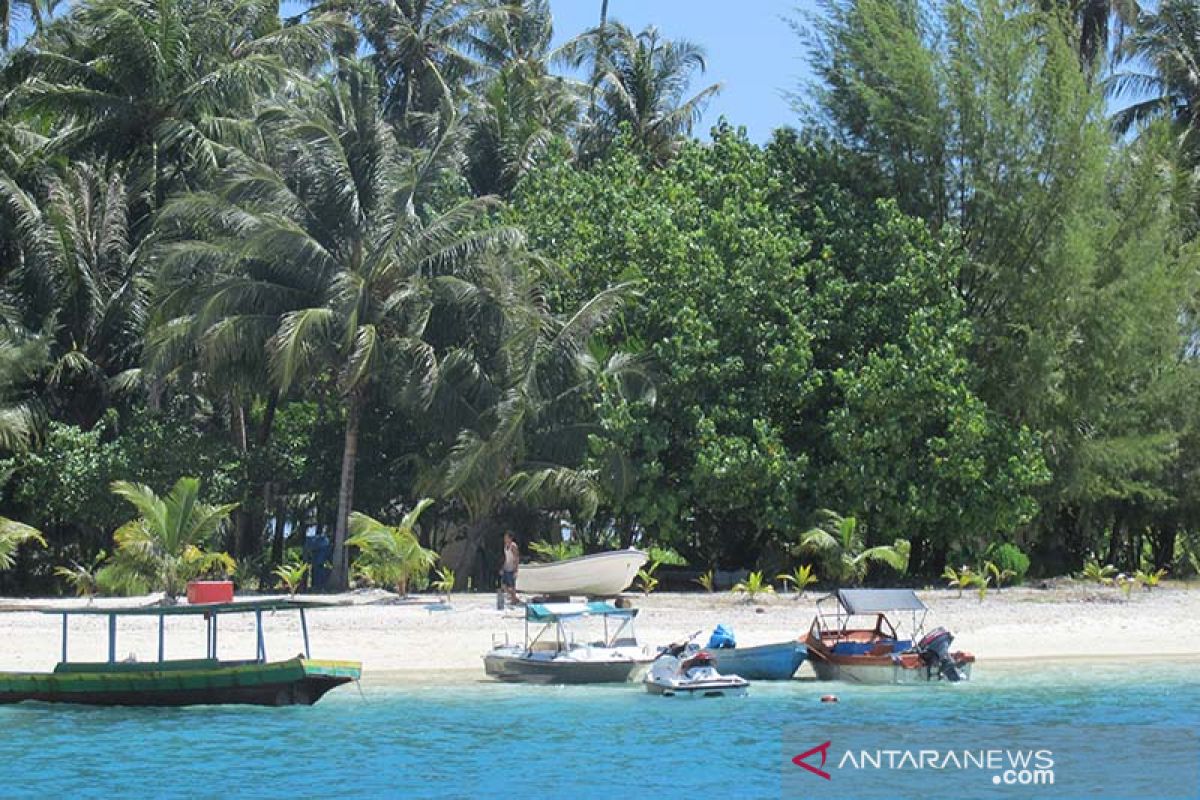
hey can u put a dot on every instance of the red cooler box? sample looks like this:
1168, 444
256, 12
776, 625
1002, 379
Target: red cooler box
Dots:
209, 592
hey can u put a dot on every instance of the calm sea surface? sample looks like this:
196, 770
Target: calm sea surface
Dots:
483, 739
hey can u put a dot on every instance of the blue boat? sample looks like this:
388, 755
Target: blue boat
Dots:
767, 662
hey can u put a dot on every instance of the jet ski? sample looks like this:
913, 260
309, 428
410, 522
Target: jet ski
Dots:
685, 672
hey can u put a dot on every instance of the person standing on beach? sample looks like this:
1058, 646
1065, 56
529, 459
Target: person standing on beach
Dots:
508, 570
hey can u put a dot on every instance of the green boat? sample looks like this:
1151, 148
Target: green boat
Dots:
300, 680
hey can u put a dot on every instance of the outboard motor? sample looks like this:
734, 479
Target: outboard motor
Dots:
935, 651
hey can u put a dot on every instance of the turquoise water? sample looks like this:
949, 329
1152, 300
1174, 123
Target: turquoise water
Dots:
479, 739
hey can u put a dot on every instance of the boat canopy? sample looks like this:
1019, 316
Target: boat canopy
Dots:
879, 601
258, 604
553, 612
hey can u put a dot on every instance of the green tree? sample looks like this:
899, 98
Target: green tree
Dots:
978, 120
77, 282
161, 85
13, 534
750, 429
391, 555
521, 113
167, 544
641, 81
1098, 25
38, 11
1156, 70
334, 240
840, 542
425, 52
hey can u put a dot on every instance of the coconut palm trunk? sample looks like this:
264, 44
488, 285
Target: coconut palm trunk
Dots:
340, 577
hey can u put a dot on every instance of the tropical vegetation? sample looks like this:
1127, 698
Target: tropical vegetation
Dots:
344, 258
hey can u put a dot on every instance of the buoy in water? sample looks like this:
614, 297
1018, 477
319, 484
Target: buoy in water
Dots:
829, 698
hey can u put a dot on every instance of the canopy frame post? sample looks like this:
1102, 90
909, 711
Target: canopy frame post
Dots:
64, 638
262, 646
162, 639
112, 638
304, 633
214, 635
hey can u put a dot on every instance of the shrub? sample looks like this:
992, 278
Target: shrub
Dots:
1008, 557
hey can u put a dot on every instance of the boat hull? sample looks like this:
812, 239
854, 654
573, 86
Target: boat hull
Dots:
599, 575
527, 670
296, 681
852, 670
768, 662
699, 689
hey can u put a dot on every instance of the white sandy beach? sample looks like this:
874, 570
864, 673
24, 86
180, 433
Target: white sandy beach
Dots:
413, 641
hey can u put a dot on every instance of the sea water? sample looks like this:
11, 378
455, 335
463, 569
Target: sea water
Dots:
475, 738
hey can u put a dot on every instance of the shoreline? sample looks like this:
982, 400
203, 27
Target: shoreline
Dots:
410, 641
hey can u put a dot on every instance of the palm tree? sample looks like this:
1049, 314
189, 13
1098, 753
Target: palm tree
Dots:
13, 534
325, 258
424, 51
1099, 24
521, 108
158, 84
77, 280
391, 555
23, 360
167, 544
519, 417
641, 80
1159, 67
38, 11
840, 541
75, 288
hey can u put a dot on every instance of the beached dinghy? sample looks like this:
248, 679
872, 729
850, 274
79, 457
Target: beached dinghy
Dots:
875, 653
559, 652
680, 673
301, 680
766, 662
598, 575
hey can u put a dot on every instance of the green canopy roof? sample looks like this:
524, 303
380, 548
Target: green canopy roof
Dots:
236, 607
553, 612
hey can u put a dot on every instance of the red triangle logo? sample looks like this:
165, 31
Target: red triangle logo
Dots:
800, 761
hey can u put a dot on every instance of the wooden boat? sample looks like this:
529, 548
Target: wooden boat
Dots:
841, 649
767, 662
300, 680
598, 575
556, 654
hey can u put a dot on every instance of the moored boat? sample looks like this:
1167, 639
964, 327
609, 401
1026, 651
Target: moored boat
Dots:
766, 662
300, 680
558, 653
597, 575
843, 648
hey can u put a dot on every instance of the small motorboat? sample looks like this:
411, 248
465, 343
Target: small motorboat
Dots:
691, 673
597, 575
764, 662
560, 652
841, 649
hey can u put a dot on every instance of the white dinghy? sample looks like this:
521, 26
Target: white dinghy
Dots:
598, 575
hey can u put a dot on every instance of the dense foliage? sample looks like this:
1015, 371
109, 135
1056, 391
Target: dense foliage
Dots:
327, 265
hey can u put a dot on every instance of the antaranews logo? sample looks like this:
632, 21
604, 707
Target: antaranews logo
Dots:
882, 761
1023, 767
